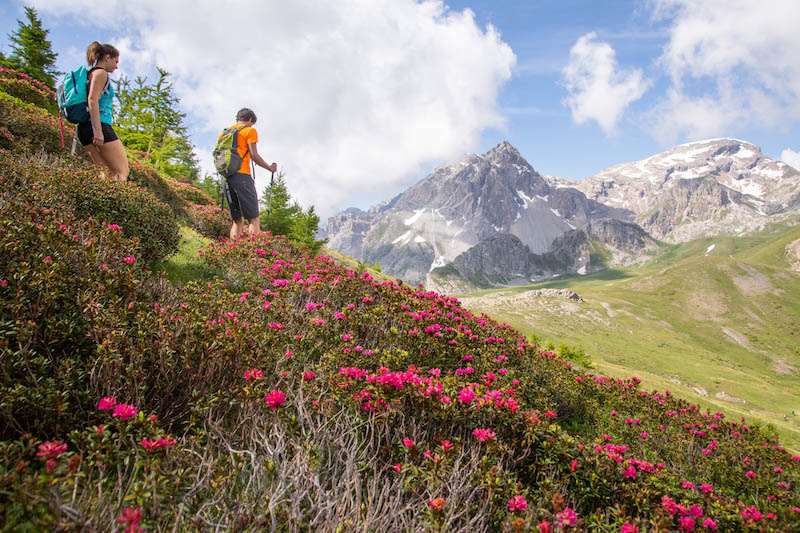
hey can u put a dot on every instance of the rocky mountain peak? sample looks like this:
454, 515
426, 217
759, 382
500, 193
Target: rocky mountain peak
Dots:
699, 188
504, 154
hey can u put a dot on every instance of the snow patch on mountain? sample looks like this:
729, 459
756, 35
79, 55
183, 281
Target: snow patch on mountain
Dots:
411, 220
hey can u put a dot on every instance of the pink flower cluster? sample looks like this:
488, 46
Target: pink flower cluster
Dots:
274, 399
154, 444
253, 374
687, 515
122, 410
106, 403
517, 503
484, 434
52, 449
131, 517
125, 411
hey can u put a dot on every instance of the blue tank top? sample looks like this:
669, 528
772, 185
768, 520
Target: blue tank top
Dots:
105, 103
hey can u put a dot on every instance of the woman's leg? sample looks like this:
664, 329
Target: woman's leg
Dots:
97, 157
114, 156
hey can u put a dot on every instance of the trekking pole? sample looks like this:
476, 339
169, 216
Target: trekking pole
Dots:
269, 203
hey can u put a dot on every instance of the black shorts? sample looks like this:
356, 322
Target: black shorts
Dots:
242, 196
85, 133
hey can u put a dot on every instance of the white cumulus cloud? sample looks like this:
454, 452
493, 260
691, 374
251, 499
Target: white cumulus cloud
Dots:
352, 97
731, 63
598, 88
791, 158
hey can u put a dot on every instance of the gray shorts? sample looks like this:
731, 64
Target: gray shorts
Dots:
242, 196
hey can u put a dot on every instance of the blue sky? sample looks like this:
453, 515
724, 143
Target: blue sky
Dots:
359, 99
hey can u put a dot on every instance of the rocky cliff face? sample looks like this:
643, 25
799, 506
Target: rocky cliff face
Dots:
698, 189
493, 220
503, 259
459, 206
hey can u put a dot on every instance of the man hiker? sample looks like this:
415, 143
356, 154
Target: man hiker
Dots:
242, 196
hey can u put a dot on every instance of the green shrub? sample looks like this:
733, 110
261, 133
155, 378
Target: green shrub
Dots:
189, 193
210, 220
24, 126
28, 89
85, 194
149, 179
57, 272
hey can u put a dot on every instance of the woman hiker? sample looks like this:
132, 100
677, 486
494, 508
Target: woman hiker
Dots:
97, 135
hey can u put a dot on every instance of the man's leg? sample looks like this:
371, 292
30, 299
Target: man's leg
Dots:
237, 227
254, 225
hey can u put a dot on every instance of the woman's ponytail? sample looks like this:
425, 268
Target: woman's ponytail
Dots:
96, 51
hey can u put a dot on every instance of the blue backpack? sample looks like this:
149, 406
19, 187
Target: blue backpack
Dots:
73, 95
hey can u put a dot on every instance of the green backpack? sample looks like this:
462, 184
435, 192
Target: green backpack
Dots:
226, 153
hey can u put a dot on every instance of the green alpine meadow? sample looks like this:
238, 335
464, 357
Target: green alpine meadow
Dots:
715, 319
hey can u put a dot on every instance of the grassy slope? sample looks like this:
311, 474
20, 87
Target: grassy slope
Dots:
723, 328
183, 266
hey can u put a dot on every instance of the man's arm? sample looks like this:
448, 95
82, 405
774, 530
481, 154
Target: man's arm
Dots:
258, 160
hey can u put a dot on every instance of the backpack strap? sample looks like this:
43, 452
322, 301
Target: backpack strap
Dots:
236, 139
89, 77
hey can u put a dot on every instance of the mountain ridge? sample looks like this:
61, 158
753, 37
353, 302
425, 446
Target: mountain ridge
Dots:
694, 189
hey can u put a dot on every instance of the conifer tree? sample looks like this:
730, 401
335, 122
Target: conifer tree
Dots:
282, 211
148, 120
31, 51
286, 217
304, 229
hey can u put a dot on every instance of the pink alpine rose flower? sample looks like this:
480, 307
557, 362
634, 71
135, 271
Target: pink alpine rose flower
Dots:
466, 395
437, 504
253, 374
106, 404
51, 449
131, 516
517, 503
125, 411
484, 434
686, 523
274, 399
567, 517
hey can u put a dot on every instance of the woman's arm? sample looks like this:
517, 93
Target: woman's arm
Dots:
97, 82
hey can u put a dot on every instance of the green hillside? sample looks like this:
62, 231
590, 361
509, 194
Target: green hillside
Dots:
155, 380
722, 326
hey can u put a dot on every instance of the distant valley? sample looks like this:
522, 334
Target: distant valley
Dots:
716, 320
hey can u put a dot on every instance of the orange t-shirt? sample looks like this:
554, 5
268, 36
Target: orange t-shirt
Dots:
246, 135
